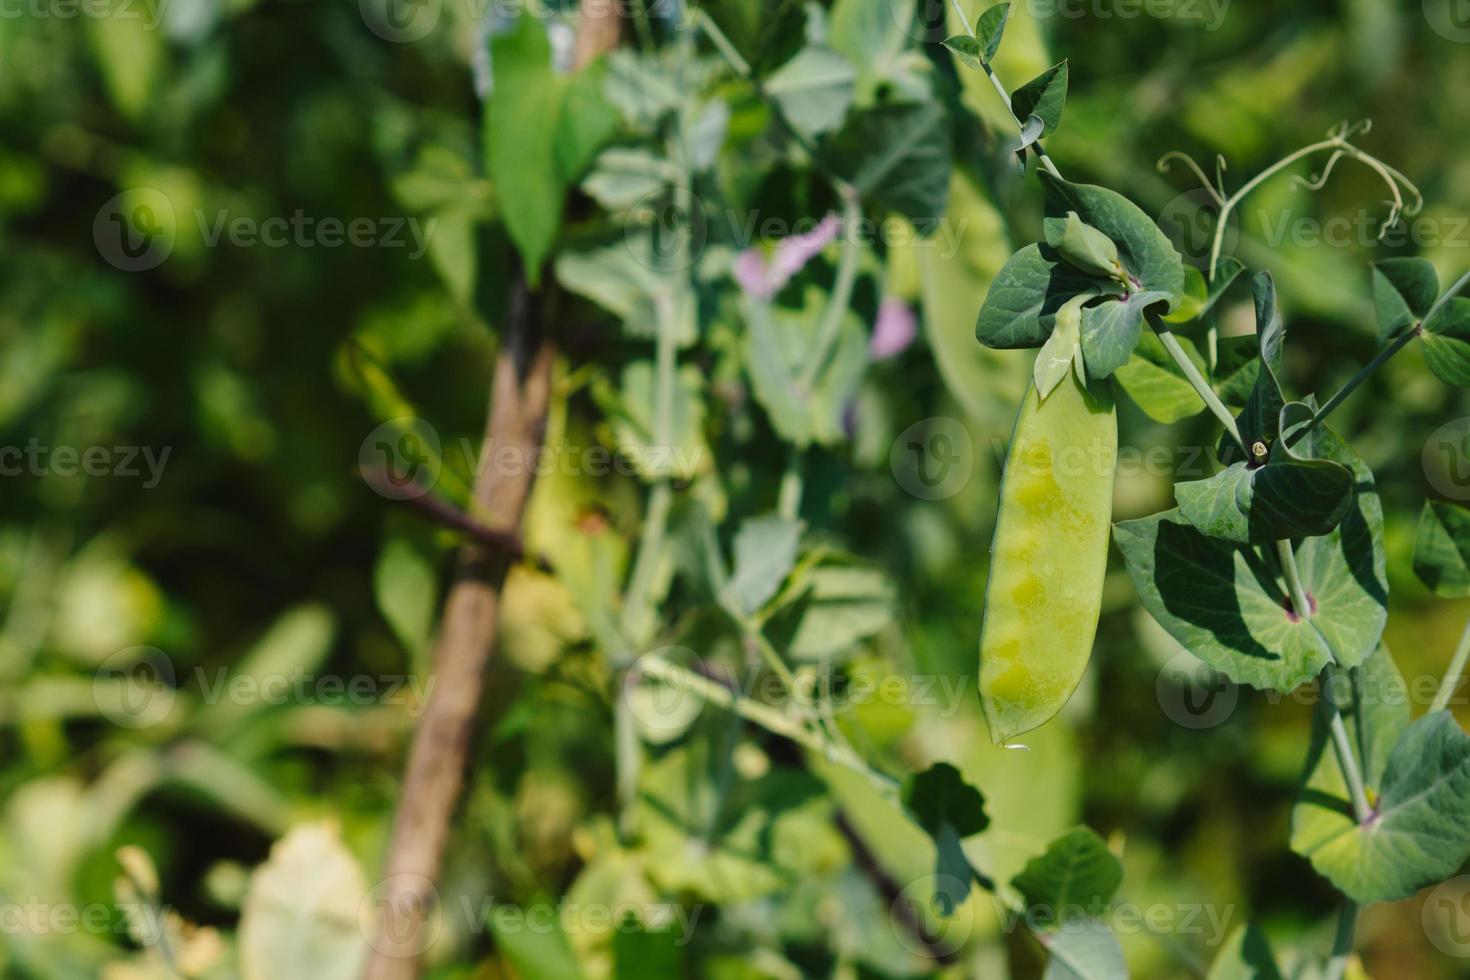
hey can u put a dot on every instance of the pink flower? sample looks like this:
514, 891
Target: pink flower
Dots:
894, 329
762, 279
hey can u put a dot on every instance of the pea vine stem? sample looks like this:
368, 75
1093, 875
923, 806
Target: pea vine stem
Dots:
1342, 942
1453, 674
770, 718
1342, 745
1005, 97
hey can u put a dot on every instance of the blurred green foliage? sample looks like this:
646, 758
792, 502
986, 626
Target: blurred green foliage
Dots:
263, 372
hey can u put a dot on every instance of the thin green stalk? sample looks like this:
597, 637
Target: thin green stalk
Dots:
771, 719
722, 43
1363, 374
1195, 379
841, 298
1446, 296
1453, 674
1342, 942
1005, 97
1340, 147
1342, 745
788, 504
1299, 599
637, 609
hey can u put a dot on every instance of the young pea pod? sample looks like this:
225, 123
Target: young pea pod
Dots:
1048, 557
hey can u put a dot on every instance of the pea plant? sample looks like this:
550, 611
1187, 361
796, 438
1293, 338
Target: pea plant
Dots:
1271, 571
723, 620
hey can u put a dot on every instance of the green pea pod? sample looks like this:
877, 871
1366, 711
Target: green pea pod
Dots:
1049, 556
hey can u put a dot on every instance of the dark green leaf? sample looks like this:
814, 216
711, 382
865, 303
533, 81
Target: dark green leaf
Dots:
939, 795
1076, 874
1446, 340
1292, 496
1261, 419
1246, 955
1145, 251
1111, 329
948, 808
640, 953
1237, 364
900, 155
1044, 95
1442, 548
1403, 291
1227, 603
1021, 306
990, 27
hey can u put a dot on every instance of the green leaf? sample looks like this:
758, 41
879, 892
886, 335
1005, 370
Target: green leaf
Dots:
1442, 549
520, 145
990, 27
778, 342
1199, 297
544, 951
1021, 305
814, 89
1111, 330
625, 278
1246, 955
646, 954
1087, 249
1062, 351
832, 605
623, 176
1227, 604
1155, 382
1403, 292
1084, 951
948, 808
633, 412
1076, 874
1417, 834
407, 592
1446, 340
967, 49
1237, 365
584, 121
900, 156
1044, 96
765, 553
1145, 251
1260, 421
1292, 496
